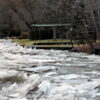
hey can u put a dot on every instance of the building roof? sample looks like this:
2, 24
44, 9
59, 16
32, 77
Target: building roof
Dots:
49, 25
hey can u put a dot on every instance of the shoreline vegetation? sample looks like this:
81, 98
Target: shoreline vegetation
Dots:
62, 44
46, 43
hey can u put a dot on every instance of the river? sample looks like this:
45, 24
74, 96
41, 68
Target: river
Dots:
64, 75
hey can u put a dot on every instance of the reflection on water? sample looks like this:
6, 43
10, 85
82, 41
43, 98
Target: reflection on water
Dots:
65, 75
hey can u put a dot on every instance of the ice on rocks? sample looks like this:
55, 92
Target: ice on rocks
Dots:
44, 89
20, 90
31, 83
12, 75
39, 69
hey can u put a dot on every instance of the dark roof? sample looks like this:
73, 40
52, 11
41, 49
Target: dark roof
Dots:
49, 25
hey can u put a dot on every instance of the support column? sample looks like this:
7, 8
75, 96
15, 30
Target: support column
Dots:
54, 32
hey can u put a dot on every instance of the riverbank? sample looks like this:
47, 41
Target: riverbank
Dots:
47, 44
60, 44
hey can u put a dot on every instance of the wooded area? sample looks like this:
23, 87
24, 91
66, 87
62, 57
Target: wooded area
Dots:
83, 15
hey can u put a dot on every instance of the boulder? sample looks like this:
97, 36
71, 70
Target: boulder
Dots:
19, 91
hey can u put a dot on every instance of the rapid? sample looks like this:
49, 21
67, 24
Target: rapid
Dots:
38, 74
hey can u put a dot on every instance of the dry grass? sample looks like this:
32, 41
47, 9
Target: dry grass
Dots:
28, 42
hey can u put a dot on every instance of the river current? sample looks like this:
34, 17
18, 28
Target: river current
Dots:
64, 75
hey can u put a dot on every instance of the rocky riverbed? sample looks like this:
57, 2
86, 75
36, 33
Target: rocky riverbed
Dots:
34, 74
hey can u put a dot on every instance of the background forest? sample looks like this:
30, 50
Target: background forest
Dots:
83, 15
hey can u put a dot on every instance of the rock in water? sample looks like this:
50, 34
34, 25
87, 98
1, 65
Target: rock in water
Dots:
39, 69
12, 75
31, 83
18, 91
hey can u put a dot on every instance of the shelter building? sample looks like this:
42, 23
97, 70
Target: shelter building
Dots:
47, 31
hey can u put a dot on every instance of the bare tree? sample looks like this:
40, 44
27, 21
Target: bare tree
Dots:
82, 14
12, 5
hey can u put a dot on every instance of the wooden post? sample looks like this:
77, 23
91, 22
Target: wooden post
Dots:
71, 42
39, 33
71, 38
54, 32
35, 33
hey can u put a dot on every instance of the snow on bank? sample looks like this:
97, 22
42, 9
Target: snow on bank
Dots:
31, 74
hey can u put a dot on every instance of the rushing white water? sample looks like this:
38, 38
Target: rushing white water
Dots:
63, 75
